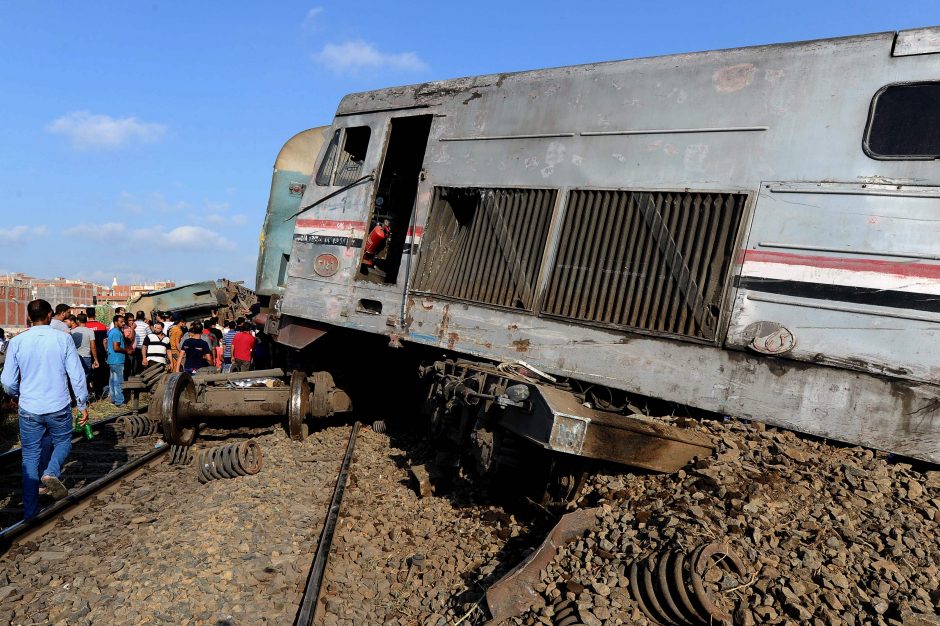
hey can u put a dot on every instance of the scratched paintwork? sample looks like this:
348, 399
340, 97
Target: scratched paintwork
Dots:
777, 123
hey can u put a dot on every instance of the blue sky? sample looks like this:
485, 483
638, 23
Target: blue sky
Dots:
137, 139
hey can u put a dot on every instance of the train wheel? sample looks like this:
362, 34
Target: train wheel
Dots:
299, 406
178, 393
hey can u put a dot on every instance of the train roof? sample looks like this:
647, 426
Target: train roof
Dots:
436, 92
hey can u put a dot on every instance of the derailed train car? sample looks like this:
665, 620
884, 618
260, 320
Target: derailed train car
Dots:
752, 232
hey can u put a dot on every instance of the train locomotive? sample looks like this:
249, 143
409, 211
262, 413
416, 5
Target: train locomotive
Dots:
748, 232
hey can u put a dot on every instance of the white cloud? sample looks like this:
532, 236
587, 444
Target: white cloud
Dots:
16, 235
88, 130
186, 238
99, 232
217, 207
310, 20
156, 202
216, 219
355, 55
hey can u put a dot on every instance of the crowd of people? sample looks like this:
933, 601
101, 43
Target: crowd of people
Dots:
57, 360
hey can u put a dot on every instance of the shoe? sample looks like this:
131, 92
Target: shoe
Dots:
43, 491
56, 489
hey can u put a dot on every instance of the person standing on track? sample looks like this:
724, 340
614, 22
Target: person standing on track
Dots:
85, 344
117, 352
39, 363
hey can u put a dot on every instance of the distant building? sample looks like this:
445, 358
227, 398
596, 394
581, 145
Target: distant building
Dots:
17, 289
78, 294
15, 293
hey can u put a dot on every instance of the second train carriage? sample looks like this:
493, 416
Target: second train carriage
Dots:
752, 232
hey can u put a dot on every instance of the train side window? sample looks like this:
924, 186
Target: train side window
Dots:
353, 155
325, 173
904, 122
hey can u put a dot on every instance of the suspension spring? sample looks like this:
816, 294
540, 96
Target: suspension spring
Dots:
670, 586
566, 614
136, 426
181, 455
236, 459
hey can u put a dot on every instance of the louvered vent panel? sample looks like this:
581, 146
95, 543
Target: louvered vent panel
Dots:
485, 245
653, 261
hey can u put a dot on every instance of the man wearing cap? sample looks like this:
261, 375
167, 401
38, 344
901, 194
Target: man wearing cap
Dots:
39, 363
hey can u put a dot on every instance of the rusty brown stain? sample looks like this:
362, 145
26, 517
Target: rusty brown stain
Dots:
734, 77
521, 345
452, 340
445, 322
487, 345
513, 327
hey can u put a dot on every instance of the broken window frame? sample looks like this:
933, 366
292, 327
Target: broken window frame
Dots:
335, 167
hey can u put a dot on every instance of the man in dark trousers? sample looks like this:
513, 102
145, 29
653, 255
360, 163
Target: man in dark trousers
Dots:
39, 363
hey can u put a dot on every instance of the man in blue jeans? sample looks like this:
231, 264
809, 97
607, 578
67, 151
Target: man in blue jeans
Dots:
39, 363
117, 351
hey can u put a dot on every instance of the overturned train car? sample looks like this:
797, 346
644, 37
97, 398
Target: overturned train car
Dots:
751, 232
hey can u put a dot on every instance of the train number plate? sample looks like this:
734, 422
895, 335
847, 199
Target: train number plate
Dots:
326, 265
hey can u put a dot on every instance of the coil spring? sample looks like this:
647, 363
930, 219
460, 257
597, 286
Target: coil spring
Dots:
236, 459
379, 427
181, 455
566, 614
136, 426
669, 586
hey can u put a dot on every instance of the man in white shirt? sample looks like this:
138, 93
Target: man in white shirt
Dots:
61, 312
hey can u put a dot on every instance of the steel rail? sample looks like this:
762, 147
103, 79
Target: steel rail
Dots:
10, 455
9, 534
308, 604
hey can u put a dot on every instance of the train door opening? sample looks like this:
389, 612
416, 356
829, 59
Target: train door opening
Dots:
395, 200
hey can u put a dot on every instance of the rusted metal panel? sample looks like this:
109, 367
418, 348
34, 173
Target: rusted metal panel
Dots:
836, 403
628, 439
198, 300
653, 261
515, 593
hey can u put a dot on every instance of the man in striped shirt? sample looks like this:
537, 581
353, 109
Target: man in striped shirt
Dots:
227, 338
156, 345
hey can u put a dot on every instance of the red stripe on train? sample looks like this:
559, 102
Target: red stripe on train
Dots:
897, 268
332, 224
346, 225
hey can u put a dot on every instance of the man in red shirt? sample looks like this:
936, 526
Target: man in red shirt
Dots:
92, 323
242, 346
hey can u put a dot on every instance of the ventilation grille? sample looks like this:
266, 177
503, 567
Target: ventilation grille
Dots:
648, 261
485, 245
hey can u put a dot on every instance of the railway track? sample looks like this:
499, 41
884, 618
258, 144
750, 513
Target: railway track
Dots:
92, 465
308, 603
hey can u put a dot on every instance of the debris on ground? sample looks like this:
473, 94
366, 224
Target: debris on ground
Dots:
827, 535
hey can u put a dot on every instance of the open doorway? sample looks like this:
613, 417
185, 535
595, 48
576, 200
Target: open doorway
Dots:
394, 199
